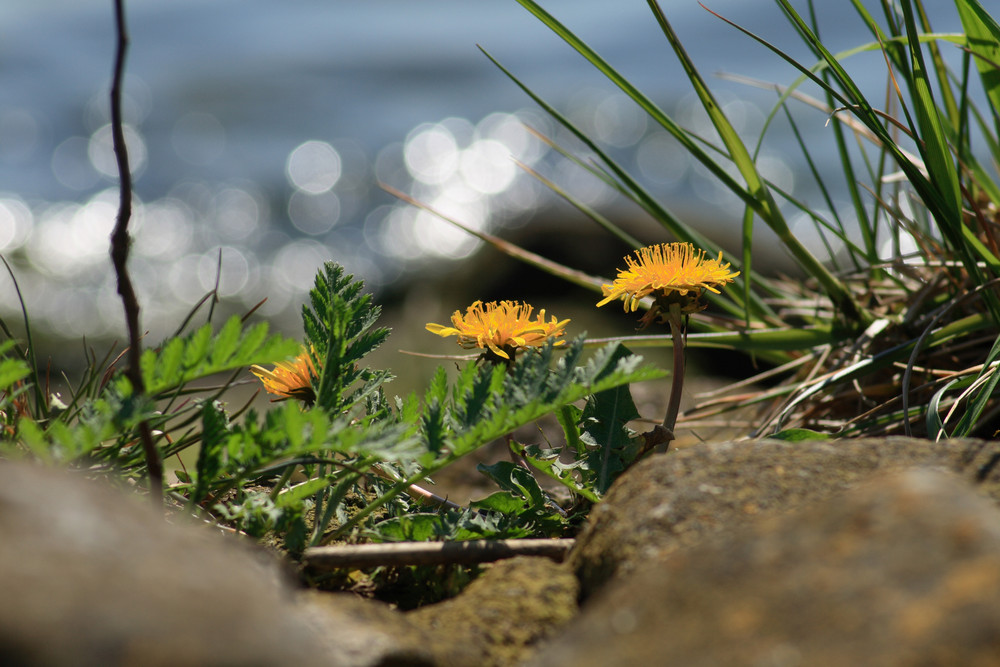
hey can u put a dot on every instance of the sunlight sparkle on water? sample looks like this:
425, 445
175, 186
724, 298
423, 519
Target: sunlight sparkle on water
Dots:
16, 221
71, 164
296, 264
313, 167
431, 154
237, 213
100, 150
314, 214
164, 230
233, 267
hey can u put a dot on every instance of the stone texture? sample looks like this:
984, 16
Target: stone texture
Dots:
359, 631
91, 576
675, 501
499, 617
901, 570
878, 551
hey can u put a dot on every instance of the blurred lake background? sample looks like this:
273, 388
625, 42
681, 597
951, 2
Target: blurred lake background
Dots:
260, 130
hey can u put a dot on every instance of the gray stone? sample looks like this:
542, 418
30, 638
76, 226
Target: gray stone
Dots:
358, 631
93, 576
901, 570
672, 501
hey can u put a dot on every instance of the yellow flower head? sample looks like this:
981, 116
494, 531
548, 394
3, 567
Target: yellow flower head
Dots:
500, 328
290, 379
668, 270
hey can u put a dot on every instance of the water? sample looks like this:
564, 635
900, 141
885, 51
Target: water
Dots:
259, 131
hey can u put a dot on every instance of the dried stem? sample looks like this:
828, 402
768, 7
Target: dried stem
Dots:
418, 491
120, 242
431, 553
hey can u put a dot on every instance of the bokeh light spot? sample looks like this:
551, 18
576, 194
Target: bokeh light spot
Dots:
101, 151
71, 164
313, 167
431, 154
314, 214
296, 264
237, 213
487, 166
16, 221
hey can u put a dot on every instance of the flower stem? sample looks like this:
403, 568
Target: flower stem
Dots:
659, 438
677, 383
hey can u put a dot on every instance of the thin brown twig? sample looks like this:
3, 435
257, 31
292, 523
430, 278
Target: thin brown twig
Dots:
431, 553
120, 242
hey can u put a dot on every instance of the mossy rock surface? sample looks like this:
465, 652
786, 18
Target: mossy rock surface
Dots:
503, 615
676, 500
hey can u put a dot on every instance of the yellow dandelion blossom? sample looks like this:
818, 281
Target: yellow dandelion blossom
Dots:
665, 270
501, 328
290, 379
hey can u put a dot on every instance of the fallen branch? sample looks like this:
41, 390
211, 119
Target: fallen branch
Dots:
432, 553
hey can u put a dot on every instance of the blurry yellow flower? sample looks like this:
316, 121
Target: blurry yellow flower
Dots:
501, 328
290, 379
670, 272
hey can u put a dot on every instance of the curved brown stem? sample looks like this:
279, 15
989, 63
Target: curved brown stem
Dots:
677, 382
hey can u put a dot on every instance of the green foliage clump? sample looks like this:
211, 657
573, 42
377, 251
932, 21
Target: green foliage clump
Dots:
349, 462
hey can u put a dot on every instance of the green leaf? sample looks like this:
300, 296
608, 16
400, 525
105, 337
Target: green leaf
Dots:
983, 40
300, 492
534, 386
935, 427
977, 405
603, 427
549, 464
197, 347
933, 143
799, 435
338, 324
512, 477
227, 342
179, 361
11, 372
504, 502
215, 437
569, 419
451, 525
418, 527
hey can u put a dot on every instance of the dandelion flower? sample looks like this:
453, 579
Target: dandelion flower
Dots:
500, 328
290, 379
670, 272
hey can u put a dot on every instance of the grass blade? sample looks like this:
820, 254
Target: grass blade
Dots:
983, 40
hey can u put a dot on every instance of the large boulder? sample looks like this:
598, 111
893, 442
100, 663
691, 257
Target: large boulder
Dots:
901, 570
674, 501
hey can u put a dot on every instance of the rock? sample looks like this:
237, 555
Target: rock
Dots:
904, 569
359, 631
499, 617
93, 576
676, 500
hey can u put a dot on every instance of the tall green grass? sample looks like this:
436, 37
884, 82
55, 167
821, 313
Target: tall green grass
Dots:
906, 342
